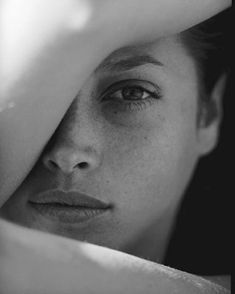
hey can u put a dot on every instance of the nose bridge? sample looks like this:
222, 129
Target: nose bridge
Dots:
76, 145
78, 129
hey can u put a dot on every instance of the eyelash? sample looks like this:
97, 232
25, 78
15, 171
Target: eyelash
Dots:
135, 105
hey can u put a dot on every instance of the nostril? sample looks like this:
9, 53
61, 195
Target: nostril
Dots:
52, 165
83, 165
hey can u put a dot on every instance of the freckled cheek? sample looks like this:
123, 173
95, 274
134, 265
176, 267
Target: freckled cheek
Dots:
147, 161
137, 173
130, 153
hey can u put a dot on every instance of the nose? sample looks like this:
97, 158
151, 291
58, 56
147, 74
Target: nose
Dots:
75, 145
68, 160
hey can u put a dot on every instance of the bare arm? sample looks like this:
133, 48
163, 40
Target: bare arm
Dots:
49, 48
35, 262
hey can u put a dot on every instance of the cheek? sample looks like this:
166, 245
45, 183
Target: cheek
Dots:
154, 161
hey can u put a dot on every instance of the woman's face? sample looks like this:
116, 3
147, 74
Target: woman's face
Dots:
130, 140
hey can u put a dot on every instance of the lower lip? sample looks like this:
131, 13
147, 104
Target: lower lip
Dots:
67, 214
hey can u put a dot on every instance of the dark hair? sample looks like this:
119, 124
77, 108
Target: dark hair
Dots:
209, 44
204, 220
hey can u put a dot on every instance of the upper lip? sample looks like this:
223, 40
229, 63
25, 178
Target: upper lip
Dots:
70, 199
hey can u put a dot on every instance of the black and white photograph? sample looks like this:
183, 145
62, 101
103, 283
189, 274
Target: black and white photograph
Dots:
115, 146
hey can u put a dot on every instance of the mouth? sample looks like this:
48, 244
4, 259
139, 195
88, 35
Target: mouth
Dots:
70, 207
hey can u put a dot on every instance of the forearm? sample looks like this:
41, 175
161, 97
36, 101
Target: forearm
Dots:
32, 261
45, 58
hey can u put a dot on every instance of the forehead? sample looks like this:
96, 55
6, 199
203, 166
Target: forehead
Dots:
167, 54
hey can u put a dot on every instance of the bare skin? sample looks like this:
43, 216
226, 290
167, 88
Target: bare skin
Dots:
94, 39
81, 34
84, 268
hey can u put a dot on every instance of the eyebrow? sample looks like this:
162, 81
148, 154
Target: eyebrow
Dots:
127, 63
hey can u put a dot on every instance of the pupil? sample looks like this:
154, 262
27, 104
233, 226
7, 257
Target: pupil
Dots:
132, 93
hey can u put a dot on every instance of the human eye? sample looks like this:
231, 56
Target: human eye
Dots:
132, 95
